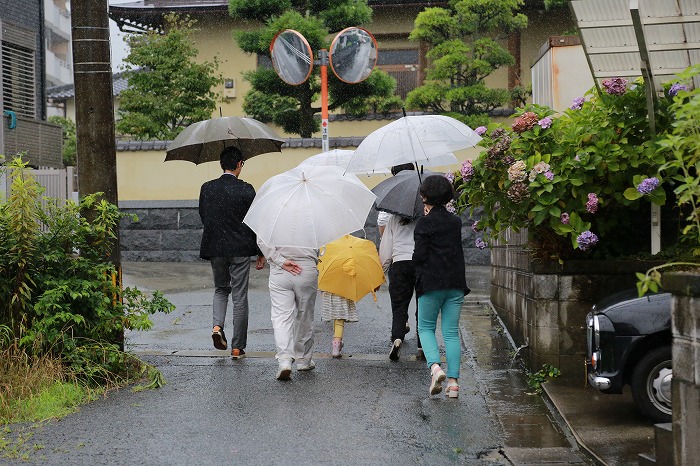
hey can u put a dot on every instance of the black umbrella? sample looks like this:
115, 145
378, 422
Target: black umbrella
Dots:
399, 195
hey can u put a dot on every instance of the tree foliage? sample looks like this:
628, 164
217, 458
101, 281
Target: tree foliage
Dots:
167, 90
69, 149
464, 43
294, 107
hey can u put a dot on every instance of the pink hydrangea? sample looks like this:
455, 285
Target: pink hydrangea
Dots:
467, 170
592, 204
564, 217
615, 86
480, 130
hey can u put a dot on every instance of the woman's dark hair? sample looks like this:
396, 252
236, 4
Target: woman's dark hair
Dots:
230, 157
436, 190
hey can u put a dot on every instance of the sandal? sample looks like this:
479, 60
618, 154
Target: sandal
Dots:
452, 390
438, 378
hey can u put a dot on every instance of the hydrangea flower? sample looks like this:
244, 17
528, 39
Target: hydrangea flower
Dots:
592, 204
549, 175
540, 167
545, 122
648, 185
586, 240
450, 177
577, 103
475, 227
516, 172
480, 130
615, 86
466, 170
675, 88
480, 243
525, 122
451, 207
564, 217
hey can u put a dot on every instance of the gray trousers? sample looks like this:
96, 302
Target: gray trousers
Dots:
231, 278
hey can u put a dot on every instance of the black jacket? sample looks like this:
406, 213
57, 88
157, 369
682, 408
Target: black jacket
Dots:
438, 255
223, 203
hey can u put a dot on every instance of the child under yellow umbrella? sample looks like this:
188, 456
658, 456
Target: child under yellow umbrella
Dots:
348, 270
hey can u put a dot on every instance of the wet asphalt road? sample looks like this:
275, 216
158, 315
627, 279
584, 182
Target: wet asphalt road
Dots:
361, 409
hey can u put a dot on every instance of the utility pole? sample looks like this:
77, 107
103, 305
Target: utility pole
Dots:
94, 104
94, 114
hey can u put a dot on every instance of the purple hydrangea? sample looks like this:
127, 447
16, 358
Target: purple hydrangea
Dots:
467, 170
549, 175
545, 122
480, 130
451, 207
675, 88
475, 226
450, 177
577, 103
648, 185
586, 240
592, 204
564, 217
480, 243
615, 86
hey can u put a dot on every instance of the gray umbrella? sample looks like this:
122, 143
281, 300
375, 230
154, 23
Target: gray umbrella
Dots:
399, 195
203, 141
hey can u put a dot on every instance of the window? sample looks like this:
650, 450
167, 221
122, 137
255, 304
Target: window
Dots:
402, 65
18, 72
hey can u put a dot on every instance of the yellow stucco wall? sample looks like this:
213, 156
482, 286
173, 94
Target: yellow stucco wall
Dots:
144, 176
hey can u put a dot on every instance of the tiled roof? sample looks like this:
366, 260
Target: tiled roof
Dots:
334, 143
67, 91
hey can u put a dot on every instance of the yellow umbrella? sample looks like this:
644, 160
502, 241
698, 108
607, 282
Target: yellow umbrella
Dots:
350, 267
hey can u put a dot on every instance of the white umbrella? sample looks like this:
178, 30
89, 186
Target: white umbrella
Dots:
341, 158
309, 206
415, 139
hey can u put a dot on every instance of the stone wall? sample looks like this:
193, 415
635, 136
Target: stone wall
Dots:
686, 365
171, 231
544, 306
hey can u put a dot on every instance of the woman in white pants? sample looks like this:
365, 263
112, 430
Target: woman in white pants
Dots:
293, 285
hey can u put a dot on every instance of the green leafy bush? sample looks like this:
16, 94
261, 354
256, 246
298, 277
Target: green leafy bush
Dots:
59, 294
581, 182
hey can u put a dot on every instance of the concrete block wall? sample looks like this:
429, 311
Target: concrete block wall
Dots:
171, 231
685, 287
544, 306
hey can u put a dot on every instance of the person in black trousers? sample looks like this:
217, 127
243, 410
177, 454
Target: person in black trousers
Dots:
228, 244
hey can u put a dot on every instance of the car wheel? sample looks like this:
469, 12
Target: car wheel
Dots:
651, 384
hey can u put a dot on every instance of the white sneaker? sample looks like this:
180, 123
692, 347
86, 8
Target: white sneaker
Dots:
285, 370
306, 367
395, 350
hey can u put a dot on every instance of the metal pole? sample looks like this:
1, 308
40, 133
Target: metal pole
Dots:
94, 106
323, 57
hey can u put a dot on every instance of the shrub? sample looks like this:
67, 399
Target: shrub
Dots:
580, 182
59, 294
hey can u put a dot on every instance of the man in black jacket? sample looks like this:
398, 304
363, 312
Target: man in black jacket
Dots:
228, 244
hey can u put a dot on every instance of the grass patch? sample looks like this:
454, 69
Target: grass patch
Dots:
37, 388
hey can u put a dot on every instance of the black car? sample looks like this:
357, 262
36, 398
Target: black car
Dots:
629, 343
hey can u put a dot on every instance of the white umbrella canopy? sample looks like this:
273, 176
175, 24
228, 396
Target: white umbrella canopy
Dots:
415, 139
309, 206
341, 158
203, 141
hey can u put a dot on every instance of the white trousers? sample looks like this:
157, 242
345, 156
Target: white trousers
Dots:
293, 298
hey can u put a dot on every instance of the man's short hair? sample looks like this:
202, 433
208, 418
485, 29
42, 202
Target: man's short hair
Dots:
437, 190
230, 157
